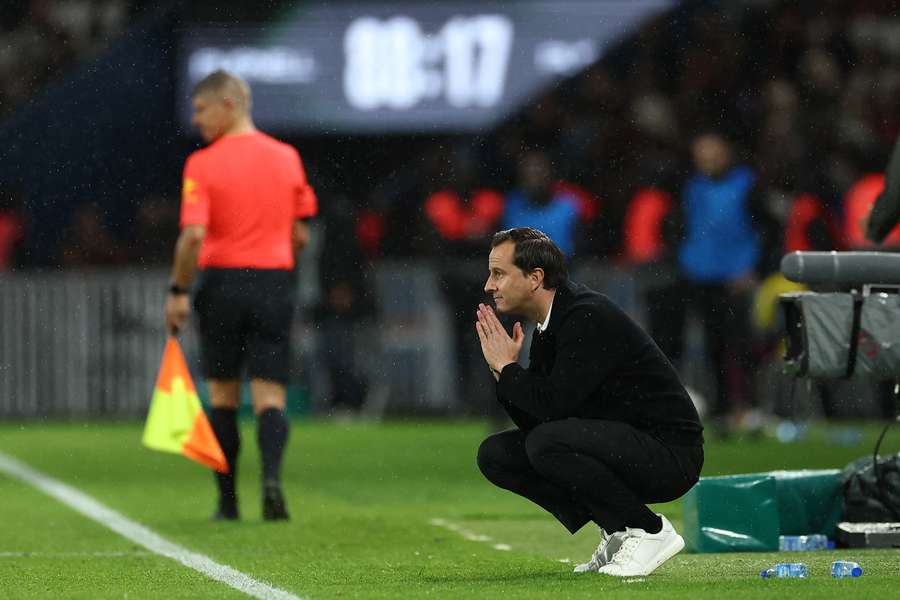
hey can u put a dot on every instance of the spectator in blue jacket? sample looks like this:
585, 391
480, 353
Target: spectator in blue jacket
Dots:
539, 204
723, 243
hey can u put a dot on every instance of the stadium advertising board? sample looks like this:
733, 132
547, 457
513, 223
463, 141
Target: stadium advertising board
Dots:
406, 67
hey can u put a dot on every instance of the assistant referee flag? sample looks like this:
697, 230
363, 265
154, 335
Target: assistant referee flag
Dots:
176, 421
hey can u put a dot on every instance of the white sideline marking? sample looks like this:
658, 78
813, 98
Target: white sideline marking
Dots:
72, 554
139, 534
468, 535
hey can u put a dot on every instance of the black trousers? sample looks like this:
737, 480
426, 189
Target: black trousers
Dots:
584, 470
666, 308
726, 324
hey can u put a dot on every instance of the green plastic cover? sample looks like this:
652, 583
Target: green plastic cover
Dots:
809, 501
747, 513
738, 513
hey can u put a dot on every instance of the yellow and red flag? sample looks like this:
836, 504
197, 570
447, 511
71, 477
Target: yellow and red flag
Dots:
176, 421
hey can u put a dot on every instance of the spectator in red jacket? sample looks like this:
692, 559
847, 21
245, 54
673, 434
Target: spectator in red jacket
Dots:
460, 217
12, 229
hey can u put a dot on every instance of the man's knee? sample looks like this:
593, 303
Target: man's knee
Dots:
496, 455
224, 393
267, 394
489, 455
546, 440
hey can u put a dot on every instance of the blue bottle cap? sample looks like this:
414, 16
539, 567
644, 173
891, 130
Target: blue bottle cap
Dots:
856, 572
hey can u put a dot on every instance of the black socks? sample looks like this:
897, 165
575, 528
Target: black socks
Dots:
225, 426
272, 435
651, 523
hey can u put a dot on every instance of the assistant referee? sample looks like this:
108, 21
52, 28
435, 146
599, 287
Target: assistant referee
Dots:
245, 199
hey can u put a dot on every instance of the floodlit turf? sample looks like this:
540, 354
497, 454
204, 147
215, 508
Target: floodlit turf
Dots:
363, 498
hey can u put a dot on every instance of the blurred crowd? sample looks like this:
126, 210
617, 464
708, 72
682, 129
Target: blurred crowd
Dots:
804, 94
40, 39
696, 155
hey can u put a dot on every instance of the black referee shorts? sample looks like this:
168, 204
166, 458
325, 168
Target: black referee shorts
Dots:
244, 320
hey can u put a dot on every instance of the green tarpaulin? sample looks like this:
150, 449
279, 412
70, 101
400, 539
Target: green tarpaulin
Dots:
744, 513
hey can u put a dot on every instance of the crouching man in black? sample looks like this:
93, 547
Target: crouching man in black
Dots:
604, 426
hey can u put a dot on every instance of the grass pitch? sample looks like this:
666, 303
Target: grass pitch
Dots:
364, 499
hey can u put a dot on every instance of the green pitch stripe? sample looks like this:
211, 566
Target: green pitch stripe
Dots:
137, 533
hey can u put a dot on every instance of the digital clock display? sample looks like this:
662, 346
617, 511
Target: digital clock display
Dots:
394, 64
410, 67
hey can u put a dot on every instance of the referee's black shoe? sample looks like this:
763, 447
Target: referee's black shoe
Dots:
274, 508
226, 512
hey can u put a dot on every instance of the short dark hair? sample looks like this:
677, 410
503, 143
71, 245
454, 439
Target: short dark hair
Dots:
213, 82
534, 249
223, 81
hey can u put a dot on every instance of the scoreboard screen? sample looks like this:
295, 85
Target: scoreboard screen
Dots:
406, 67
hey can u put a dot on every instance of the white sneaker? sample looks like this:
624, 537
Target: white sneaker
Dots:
641, 552
608, 546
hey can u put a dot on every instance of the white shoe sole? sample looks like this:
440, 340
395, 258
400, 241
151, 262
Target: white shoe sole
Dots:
671, 550
668, 551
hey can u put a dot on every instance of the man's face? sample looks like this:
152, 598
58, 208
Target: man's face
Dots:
535, 174
712, 155
213, 116
510, 287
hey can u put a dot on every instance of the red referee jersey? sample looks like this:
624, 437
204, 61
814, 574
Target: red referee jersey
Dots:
247, 190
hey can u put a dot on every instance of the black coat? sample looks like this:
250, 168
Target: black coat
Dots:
594, 362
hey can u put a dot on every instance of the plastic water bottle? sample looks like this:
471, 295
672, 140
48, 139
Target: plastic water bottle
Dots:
801, 543
845, 568
781, 570
789, 432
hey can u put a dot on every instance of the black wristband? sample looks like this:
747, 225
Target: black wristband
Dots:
177, 290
